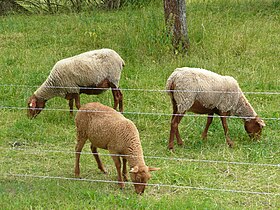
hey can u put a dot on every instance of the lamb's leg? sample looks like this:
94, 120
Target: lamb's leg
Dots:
79, 146
124, 172
224, 123
98, 161
208, 123
117, 162
118, 97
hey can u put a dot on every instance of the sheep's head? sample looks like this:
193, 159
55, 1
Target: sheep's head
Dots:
140, 176
34, 106
254, 127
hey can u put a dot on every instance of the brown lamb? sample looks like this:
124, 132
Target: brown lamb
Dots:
110, 130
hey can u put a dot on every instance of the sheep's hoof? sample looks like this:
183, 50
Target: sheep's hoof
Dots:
204, 137
172, 150
103, 170
230, 144
180, 143
121, 185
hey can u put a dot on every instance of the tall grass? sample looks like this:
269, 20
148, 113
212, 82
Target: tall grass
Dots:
237, 38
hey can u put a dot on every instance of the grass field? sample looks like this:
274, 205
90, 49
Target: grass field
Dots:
236, 37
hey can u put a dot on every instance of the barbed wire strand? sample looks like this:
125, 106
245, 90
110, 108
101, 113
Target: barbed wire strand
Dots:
143, 90
139, 113
147, 184
148, 157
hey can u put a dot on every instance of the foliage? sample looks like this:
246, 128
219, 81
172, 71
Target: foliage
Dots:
66, 6
237, 38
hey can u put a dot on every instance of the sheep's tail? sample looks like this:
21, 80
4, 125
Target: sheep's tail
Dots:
170, 86
123, 63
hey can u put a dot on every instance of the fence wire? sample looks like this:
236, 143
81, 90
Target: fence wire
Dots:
145, 90
30, 151
152, 185
139, 113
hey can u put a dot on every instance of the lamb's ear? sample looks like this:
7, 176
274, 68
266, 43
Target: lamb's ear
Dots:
134, 169
33, 103
153, 169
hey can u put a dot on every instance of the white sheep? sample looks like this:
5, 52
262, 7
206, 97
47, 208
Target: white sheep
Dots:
91, 73
110, 130
205, 92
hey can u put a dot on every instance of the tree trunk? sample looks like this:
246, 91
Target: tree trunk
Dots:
176, 23
112, 4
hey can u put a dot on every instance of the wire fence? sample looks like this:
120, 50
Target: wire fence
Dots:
158, 185
30, 151
147, 184
145, 90
137, 113
276, 165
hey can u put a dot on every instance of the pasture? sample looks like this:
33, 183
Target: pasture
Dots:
236, 38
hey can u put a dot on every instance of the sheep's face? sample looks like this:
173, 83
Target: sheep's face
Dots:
140, 176
254, 127
34, 106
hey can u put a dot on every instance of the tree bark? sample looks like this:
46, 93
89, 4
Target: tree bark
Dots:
176, 23
112, 4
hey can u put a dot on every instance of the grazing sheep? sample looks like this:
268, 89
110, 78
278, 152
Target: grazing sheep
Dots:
108, 129
91, 73
205, 92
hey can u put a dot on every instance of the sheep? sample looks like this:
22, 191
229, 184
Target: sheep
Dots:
110, 130
204, 92
91, 73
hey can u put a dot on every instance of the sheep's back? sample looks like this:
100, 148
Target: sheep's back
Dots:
88, 69
105, 127
210, 89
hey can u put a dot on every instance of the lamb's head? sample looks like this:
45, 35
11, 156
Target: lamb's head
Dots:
140, 176
254, 127
34, 106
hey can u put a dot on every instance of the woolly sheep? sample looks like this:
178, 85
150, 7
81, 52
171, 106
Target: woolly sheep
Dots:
205, 92
91, 73
109, 129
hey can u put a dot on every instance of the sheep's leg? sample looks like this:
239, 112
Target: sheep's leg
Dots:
77, 100
208, 123
79, 146
175, 131
71, 103
98, 161
118, 97
224, 123
117, 162
124, 172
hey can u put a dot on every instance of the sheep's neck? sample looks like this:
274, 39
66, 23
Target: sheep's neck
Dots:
47, 91
244, 108
135, 155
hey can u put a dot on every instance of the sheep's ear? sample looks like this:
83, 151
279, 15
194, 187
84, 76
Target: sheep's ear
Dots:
32, 103
261, 122
153, 169
134, 169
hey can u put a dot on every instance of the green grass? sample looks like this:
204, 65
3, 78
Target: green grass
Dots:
237, 38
